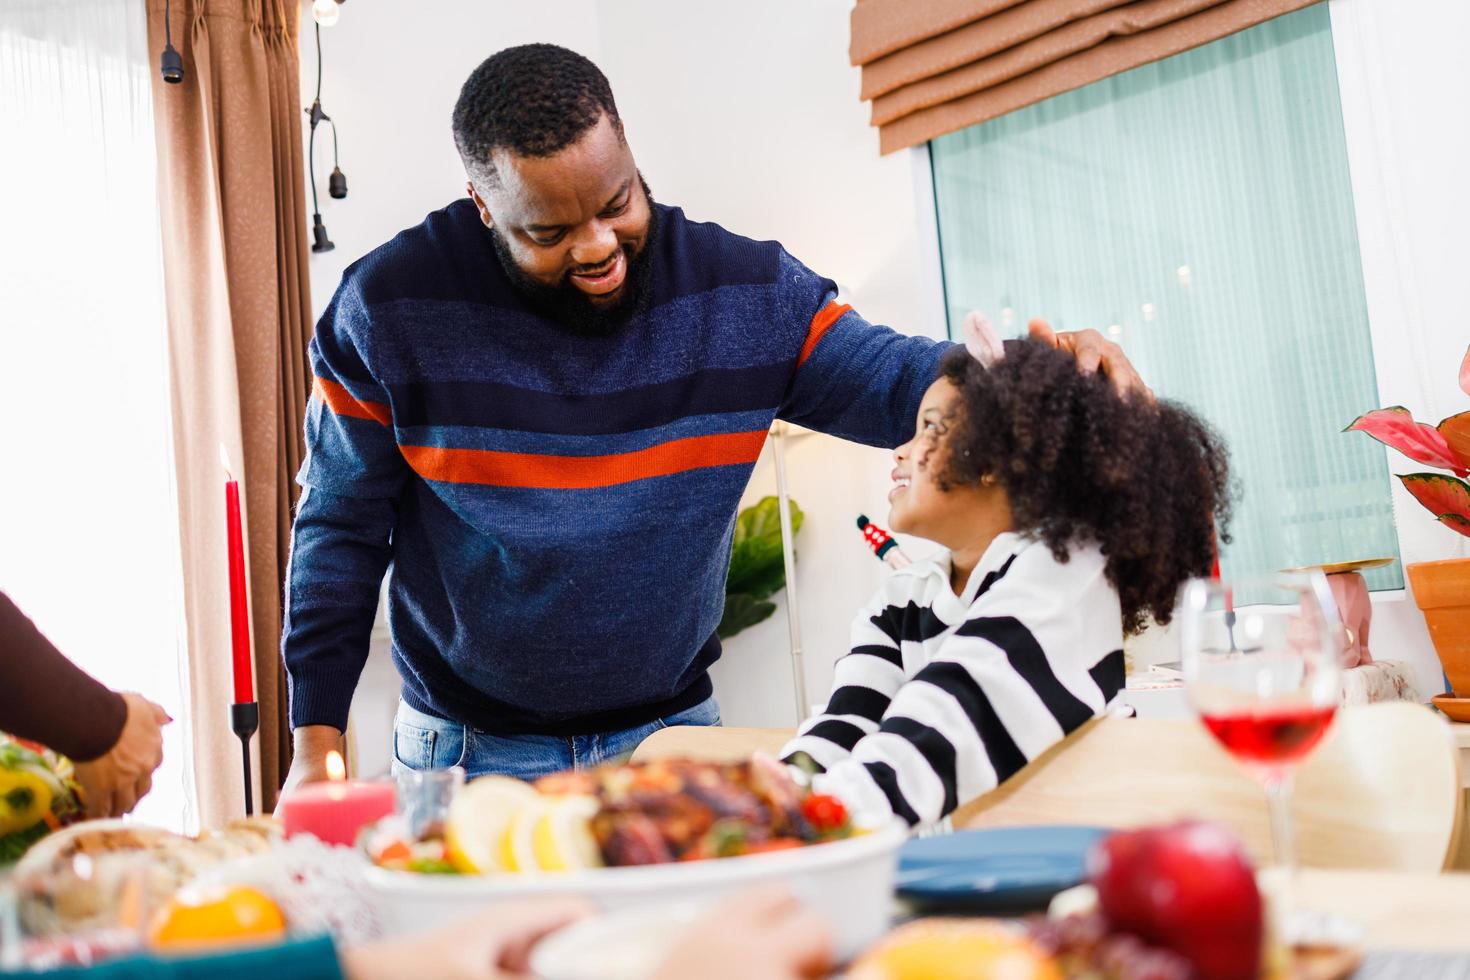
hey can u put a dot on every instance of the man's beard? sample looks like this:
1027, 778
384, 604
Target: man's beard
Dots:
567, 305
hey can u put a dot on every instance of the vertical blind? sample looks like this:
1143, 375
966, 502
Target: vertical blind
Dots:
1198, 209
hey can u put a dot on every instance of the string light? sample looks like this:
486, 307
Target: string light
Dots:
325, 12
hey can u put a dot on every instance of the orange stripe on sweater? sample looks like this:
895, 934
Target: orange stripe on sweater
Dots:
824, 319
343, 402
531, 471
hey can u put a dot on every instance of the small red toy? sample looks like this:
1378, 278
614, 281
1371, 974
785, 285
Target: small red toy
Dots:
882, 544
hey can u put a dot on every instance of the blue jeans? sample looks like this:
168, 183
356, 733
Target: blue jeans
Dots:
423, 741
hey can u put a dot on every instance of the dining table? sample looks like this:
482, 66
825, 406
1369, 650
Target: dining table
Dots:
1412, 924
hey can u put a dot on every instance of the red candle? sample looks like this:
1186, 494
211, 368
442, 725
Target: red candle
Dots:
239, 607
335, 811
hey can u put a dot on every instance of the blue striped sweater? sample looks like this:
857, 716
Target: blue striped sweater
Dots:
555, 510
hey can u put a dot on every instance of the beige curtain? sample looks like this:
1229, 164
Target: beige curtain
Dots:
235, 276
931, 68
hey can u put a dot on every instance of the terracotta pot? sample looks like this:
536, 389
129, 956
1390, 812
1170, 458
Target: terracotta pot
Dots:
1442, 590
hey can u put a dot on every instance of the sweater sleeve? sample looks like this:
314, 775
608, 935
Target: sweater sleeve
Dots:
46, 698
340, 550
853, 379
864, 682
302, 959
1009, 683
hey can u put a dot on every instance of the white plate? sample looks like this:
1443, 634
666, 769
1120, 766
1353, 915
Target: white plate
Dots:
849, 882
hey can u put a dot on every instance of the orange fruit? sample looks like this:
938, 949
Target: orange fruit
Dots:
217, 917
955, 949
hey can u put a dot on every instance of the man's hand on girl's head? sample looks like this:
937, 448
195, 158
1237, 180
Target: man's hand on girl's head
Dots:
1094, 351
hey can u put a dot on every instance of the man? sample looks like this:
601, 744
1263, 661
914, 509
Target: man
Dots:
540, 407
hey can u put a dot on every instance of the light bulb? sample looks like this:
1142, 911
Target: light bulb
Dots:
325, 12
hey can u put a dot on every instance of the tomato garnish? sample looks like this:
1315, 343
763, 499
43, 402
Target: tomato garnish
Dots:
396, 850
824, 812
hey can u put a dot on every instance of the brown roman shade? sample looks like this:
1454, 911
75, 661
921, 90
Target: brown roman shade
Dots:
935, 66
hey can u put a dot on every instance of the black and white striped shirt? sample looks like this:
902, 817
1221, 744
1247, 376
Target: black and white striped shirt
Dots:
944, 697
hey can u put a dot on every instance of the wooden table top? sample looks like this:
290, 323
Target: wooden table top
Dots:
1428, 913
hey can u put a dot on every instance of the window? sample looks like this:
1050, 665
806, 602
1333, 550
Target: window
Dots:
88, 523
1198, 209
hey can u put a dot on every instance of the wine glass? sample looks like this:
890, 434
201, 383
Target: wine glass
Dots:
1264, 676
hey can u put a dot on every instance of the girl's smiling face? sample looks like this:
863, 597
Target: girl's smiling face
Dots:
917, 503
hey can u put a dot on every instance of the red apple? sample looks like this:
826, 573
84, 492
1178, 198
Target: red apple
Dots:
1188, 887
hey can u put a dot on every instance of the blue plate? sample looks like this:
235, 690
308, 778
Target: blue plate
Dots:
1006, 869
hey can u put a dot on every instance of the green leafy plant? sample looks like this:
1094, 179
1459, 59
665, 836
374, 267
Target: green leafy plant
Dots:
757, 565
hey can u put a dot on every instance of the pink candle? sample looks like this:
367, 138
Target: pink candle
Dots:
334, 811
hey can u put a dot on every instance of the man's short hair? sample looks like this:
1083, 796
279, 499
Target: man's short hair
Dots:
533, 100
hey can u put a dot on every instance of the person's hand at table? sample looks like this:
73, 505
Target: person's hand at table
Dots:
765, 933
114, 782
492, 944
310, 746
1093, 352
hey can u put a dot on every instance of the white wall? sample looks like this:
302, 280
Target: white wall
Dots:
1403, 79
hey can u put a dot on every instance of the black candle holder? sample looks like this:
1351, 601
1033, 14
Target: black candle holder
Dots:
245, 719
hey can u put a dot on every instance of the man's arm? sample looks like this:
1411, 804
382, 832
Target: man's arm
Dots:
340, 542
862, 381
853, 379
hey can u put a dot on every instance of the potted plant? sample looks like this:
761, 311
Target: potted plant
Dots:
1441, 588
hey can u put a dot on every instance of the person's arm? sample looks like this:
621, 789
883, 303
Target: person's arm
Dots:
1006, 686
864, 682
46, 698
863, 382
114, 740
853, 379
340, 547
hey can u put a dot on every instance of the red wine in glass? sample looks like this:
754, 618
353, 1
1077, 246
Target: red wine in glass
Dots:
1262, 666
1271, 736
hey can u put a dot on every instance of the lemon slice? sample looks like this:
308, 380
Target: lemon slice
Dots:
517, 853
477, 821
561, 839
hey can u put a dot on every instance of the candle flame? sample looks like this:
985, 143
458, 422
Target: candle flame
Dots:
336, 769
224, 460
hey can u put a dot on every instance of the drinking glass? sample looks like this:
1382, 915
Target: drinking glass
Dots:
1264, 677
424, 796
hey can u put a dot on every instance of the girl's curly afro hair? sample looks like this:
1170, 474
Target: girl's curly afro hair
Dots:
1147, 481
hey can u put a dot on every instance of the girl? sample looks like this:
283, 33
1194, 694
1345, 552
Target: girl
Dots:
1071, 516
